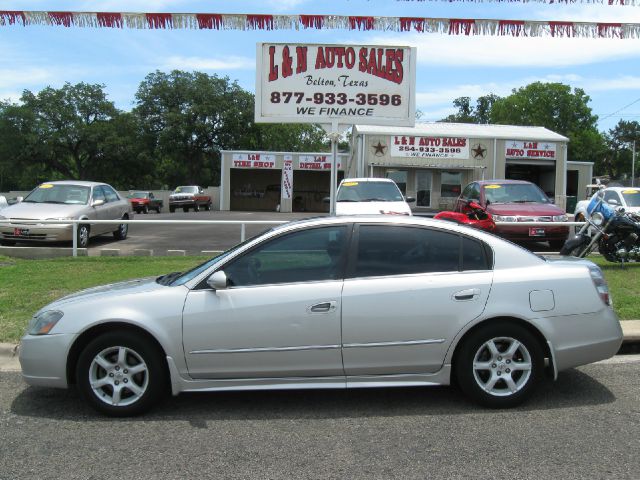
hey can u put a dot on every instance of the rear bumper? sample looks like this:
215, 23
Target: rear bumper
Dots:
582, 339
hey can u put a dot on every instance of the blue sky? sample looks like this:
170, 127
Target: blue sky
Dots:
448, 66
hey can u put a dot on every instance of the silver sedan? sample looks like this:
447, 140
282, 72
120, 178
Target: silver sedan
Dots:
336, 302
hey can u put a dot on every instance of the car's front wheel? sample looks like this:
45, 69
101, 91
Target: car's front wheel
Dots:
121, 374
499, 365
83, 236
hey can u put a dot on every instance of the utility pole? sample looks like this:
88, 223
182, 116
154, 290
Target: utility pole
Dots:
633, 163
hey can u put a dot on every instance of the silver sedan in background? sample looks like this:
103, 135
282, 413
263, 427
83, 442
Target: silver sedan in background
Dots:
65, 200
334, 302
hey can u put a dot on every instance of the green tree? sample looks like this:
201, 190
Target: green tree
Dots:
466, 113
617, 160
558, 108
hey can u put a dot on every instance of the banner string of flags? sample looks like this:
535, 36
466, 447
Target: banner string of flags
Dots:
216, 21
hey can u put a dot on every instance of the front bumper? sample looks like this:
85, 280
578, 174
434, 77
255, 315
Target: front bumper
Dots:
43, 359
26, 232
522, 233
182, 203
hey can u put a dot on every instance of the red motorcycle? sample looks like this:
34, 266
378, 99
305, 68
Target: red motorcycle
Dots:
476, 217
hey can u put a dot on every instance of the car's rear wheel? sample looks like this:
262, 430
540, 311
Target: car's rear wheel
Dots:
83, 236
145, 210
207, 207
556, 245
158, 209
122, 231
499, 365
185, 209
121, 374
196, 208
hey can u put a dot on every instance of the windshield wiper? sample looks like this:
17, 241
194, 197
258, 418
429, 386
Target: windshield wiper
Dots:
376, 200
168, 278
525, 201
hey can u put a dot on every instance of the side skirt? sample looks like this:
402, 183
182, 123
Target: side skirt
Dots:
180, 384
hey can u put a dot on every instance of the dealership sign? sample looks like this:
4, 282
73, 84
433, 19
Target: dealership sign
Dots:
253, 160
530, 150
330, 84
430, 147
315, 162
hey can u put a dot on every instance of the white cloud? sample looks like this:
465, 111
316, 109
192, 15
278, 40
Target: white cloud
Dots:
200, 63
462, 51
25, 77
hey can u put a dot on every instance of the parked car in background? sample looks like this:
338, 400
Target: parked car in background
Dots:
189, 196
142, 202
516, 201
333, 302
626, 197
65, 200
356, 196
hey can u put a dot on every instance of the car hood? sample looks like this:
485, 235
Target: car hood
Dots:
372, 208
114, 289
525, 209
42, 211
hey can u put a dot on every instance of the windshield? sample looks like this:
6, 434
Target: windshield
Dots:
369, 192
514, 193
186, 190
631, 197
138, 195
62, 194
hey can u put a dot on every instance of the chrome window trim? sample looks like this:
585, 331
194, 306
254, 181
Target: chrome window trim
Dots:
394, 344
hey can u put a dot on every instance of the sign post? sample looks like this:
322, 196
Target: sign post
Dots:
335, 86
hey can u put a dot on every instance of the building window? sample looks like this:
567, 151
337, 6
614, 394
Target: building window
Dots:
423, 188
400, 177
451, 184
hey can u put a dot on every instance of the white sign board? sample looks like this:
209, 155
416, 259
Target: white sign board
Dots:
335, 84
253, 160
430, 147
315, 162
287, 177
530, 150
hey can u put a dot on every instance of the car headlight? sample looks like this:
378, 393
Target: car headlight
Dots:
505, 218
560, 218
597, 218
2, 218
42, 323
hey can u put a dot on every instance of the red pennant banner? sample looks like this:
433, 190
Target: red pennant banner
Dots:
260, 22
11, 18
361, 23
209, 20
407, 23
562, 29
459, 26
61, 18
109, 20
159, 20
611, 30
515, 28
312, 21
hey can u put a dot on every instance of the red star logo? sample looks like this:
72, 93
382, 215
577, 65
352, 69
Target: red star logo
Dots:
378, 150
478, 151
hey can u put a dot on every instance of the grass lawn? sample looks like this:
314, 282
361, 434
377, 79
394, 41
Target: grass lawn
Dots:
27, 285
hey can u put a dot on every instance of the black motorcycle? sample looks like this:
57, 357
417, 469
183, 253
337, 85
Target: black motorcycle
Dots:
613, 231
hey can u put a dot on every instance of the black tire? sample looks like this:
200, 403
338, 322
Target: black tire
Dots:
145, 210
207, 207
171, 209
158, 209
499, 385
122, 231
150, 383
556, 245
84, 232
574, 246
196, 207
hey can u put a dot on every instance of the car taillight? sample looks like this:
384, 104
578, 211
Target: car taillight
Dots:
600, 283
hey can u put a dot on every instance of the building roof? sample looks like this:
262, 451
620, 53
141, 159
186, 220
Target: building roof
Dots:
472, 130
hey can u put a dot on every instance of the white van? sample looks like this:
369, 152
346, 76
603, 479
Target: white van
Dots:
363, 196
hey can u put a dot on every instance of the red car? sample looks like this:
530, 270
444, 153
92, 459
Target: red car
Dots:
516, 201
142, 202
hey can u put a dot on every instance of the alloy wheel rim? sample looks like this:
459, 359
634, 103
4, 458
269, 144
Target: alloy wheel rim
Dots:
83, 237
502, 366
118, 376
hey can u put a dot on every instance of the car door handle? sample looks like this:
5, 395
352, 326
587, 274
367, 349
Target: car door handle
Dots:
469, 294
323, 307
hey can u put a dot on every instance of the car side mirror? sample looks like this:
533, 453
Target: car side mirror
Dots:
218, 281
612, 201
97, 203
19, 199
409, 199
